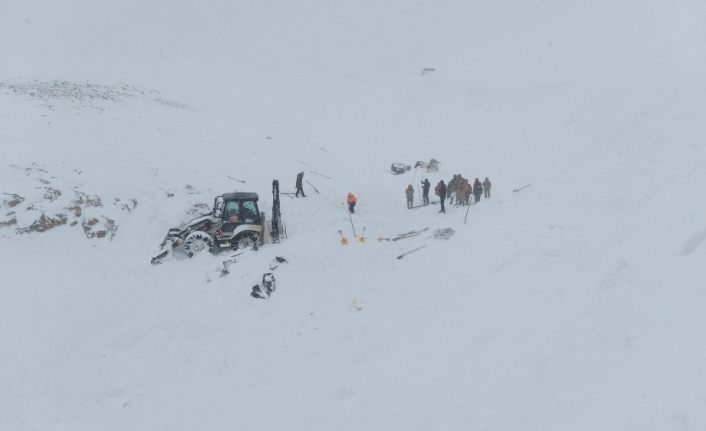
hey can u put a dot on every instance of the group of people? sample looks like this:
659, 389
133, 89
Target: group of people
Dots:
458, 189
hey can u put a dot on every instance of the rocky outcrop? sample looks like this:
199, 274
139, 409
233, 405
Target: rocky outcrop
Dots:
13, 200
44, 223
48, 205
101, 227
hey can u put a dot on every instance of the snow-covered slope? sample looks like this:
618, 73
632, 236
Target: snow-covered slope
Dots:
576, 303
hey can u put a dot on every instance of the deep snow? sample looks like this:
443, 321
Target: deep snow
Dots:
576, 303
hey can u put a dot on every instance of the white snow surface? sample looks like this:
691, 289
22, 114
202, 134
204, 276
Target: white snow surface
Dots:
574, 304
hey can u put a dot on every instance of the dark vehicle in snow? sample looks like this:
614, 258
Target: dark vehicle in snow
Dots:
399, 168
234, 223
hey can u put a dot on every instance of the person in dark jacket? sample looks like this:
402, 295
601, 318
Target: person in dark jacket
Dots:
451, 189
441, 192
409, 192
300, 189
477, 190
425, 191
486, 188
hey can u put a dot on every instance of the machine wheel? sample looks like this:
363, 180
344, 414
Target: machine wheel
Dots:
197, 242
246, 241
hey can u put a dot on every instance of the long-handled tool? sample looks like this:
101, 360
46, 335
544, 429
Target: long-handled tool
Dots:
411, 251
315, 189
351, 217
235, 179
520, 188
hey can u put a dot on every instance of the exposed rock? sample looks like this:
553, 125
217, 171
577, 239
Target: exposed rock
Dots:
88, 227
28, 170
86, 94
171, 103
14, 200
76, 210
44, 223
51, 206
112, 227
51, 194
82, 199
129, 206
9, 222
96, 228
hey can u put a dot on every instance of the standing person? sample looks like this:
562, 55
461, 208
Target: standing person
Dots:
300, 189
409, 191
451, 189
477, 190
441, 192
459, 190
486, 188
467, 189
352, 200
425, 191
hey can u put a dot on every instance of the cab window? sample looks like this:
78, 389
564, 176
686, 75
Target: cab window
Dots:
232, 211
249, 212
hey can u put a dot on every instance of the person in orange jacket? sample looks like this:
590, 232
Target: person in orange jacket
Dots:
352, 200
467, 190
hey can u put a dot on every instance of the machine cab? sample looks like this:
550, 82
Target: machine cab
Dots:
236, 209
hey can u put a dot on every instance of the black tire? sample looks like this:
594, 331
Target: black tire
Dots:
246, 241
197, 242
